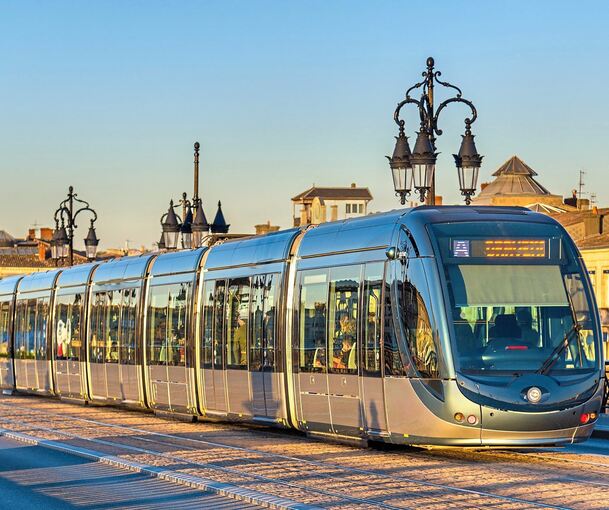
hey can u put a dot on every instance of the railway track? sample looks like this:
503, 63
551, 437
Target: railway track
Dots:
313, 482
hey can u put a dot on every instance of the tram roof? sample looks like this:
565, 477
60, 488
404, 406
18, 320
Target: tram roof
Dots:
271, 247
38, 281
125, 268
185, 261
366, 232
8, 285
432, 214
75, 275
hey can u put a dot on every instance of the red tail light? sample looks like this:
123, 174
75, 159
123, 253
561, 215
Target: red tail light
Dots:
516, 347
584, 418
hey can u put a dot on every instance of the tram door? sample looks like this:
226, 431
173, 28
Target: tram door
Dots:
236, 327
212, 346
104, 345
312, 377
6, 366
67, 334
31, 361
166, 350
343, 340
264, 379
371, 382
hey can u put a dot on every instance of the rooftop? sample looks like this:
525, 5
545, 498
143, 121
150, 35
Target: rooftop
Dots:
514, 177
349, 193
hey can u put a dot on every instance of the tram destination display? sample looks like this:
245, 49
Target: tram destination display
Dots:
499, 248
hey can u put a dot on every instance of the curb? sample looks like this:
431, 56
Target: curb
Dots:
195, 482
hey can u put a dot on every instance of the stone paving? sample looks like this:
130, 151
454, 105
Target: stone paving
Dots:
320, 474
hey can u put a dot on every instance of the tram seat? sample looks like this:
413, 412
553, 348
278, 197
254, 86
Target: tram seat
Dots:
319, 358
506, 326
352, 361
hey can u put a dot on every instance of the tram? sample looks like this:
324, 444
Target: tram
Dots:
463, 326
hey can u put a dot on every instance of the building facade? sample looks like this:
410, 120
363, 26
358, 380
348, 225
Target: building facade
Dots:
319, 205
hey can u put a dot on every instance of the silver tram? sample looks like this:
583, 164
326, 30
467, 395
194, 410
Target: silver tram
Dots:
437, 326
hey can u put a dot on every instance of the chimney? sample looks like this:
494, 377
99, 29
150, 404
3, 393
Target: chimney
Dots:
42, 252
593, 225
353, 185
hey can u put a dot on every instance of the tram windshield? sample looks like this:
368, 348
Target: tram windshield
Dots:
518, 299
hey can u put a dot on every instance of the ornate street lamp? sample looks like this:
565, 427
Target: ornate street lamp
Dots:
171, 228
468, 163
62, 243
186, 230
199, 225
423, 157
91, 243
401, 166
423, 161
191, 230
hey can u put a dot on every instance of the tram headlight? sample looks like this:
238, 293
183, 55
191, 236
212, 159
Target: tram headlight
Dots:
472, 420
534, 395
460, 417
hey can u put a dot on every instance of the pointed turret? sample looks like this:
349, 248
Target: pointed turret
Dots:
219, 226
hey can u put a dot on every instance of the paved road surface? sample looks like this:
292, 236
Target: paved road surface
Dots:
261, 462
41, 478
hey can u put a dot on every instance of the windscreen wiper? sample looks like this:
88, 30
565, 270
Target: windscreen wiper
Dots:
558, 350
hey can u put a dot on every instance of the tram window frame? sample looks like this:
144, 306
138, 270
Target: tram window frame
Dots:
318, 361
172, 350
207, 323
128, 322
31, 322
68, 337
97, 347
5, 330
112, 311
238, 322
219, 326
373, 281
343, 324
263, 333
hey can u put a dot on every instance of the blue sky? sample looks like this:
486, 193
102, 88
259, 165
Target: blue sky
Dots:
110, 96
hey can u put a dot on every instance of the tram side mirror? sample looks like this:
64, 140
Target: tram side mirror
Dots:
393, 253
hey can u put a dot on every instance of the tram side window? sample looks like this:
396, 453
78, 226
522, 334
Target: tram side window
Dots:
371, 348
263, 315
419, 334
237, 316
5, 316
312, 328
344, 297
30, 334
168, 314
128, 322
218, 323
42, 315
97, 346
208, 324
113, 310
21, 330
68, 316
269, 349
257, 321
392, 358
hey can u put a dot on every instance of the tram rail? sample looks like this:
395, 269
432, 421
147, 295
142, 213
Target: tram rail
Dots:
322, 470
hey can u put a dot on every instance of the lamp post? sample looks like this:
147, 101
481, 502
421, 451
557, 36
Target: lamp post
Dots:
62, 243
416, 170
191, 225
